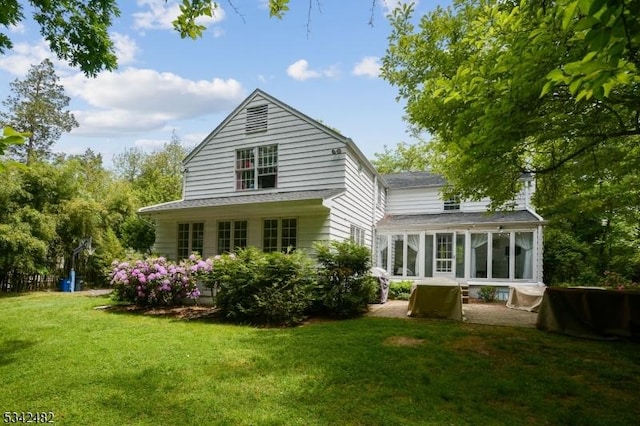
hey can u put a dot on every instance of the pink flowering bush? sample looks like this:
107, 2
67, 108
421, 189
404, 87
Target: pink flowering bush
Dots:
157, 282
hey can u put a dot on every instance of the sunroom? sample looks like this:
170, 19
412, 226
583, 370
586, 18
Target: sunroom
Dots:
473, 248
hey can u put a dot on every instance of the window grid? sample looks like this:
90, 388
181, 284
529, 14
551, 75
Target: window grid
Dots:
357, 235
224, 237
183, 240
289, 234
264, 171
245, 169
452, 204
270, 235
197, 238
267, 166
240, 234
190, 239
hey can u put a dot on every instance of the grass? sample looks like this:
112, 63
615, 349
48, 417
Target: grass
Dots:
105, 368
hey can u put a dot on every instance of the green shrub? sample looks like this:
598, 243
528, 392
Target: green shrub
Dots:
488, 293
263, 288
400, 290
345, 286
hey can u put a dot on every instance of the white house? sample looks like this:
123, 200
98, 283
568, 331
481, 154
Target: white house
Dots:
269, 176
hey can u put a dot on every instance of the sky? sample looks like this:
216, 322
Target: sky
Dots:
322, 59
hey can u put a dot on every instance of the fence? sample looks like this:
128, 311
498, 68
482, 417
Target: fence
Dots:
18, 283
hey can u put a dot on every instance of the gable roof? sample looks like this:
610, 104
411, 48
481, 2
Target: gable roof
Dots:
413, 180
315, 123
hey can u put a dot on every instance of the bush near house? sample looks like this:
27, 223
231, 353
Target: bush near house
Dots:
263, 288
157, 282
345, 286
400, 290
488, 293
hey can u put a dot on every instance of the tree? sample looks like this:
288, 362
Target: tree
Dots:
37, 106
78, 30
484, 78
404, 158
155, 177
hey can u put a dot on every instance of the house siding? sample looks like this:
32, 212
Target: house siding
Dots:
429, 200
313, 225
356, 206
305, 159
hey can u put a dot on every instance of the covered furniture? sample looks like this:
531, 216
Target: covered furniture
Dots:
436, 298
590, 312
525, 297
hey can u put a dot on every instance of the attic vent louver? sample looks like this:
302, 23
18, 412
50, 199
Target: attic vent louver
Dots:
256, 119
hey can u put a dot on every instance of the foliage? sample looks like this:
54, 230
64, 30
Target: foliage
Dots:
10, 137
400, 290
566, 260
488, 293
263, 288
476, 76
404, 158
615, 281
345, 286
155, 177
157, 282
37, 106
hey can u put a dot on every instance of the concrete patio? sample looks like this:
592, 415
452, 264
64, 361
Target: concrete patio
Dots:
476, 313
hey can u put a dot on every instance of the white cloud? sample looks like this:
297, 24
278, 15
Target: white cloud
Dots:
18, 28
23, 55
126, 48
150, 144
300, 70
160, 14
369, 66
137, 100
389, 5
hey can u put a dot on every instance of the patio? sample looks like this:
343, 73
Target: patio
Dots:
475, 312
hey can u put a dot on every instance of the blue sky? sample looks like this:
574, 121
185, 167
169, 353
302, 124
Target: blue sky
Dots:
327, 70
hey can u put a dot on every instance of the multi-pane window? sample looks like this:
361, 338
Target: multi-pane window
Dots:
279, 234
190, 239
270, 235
357, 235
260, 174
452, 204
232, 235
245, 169
289, 234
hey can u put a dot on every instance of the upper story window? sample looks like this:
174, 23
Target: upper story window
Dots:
452, 204
257, 168
256, 119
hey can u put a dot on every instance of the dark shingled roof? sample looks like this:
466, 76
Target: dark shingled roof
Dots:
457, 218
272, 197
413, 180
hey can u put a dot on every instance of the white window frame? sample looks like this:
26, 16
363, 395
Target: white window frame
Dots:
253, 165
190, 239
280, 234
358, 235
233, 227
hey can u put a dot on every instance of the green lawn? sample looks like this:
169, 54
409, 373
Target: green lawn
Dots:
96, 367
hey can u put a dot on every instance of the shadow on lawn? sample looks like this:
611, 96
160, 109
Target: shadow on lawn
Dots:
11, 349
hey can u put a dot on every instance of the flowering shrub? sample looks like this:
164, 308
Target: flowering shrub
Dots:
157, 282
